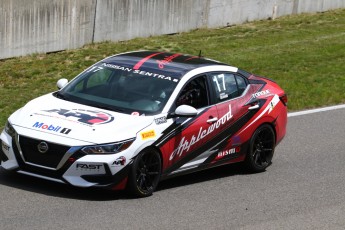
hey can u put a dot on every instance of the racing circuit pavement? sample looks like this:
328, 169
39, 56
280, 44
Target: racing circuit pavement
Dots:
304, 188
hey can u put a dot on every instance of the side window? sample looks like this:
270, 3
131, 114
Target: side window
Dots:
225, 86
241, 83
194, 94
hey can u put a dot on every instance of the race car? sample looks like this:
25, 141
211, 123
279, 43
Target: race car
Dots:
136, 118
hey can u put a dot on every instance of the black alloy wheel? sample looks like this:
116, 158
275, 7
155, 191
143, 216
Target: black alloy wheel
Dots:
146, 172
261, 149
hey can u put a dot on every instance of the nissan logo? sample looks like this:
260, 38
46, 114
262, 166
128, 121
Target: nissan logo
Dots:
42, 147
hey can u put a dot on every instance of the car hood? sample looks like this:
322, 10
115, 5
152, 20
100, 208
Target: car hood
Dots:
48, 116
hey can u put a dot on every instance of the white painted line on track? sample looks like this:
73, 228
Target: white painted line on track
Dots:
305, 112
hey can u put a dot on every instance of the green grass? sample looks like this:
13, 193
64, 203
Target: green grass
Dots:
305, 54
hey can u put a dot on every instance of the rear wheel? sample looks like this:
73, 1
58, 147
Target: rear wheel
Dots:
261, 149
145, 174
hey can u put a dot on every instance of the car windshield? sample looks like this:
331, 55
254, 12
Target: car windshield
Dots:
121, 89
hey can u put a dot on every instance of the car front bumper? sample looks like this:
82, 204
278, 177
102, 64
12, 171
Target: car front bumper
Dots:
63, 164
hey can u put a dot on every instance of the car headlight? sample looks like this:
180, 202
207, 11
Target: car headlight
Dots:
108, 148
9, 129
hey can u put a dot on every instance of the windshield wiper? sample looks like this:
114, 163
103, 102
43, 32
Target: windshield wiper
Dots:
59, 95
107, 107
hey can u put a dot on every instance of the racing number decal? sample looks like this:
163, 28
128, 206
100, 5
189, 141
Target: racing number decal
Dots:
216, 79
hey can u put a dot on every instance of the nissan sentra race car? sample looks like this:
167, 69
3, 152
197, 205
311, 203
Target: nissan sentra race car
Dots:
136, 118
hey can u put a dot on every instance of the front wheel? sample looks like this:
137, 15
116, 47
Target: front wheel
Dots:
145, 173
261, 149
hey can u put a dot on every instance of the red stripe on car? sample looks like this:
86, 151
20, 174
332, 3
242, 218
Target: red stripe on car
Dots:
193, 57
142, 61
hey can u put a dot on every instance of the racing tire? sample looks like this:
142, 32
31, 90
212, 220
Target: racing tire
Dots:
261, 149
145, 173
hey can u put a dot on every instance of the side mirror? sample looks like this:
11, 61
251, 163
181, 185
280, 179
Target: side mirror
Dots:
61, 83
184, 111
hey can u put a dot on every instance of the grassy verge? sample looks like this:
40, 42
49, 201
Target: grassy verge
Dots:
305, 54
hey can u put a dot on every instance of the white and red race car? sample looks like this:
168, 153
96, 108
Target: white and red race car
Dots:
136, 118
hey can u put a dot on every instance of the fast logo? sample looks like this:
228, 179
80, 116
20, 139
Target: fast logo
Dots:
89, 166
52, 128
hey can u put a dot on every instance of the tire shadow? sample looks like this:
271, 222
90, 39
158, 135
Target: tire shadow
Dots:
49, 188
202, 176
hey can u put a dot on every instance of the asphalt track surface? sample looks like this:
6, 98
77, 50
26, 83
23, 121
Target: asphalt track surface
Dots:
304, 188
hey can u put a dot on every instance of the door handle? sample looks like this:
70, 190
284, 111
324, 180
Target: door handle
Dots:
212, 120
253, 107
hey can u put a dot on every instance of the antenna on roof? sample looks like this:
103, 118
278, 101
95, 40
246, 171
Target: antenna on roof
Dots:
200, 54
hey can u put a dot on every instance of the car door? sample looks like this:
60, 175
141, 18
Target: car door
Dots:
230, 98
185, 147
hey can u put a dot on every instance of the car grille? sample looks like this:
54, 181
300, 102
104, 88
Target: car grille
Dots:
50, 159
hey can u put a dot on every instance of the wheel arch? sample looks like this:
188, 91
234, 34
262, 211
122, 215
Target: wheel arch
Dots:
131, 185
273, 126
251, 161
151, 146
160, 153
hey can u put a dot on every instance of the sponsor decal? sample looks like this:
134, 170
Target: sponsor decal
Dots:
6, 147
166, 60
161, 120
94, 69
185, 145
141, 72
87, 117
273, 103
126, 69
155, 75
65, 131
121, 161
261, 93
89, 166
228, 152
223, 96
52, 128
148, 134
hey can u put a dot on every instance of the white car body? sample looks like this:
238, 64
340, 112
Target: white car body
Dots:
50, 123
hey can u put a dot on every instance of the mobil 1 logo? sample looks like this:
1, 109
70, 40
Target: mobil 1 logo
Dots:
51, 128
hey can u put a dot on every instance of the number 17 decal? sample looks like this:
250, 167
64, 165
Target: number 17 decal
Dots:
221, 77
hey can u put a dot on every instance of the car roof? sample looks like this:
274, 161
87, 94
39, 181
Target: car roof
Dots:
168, 64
